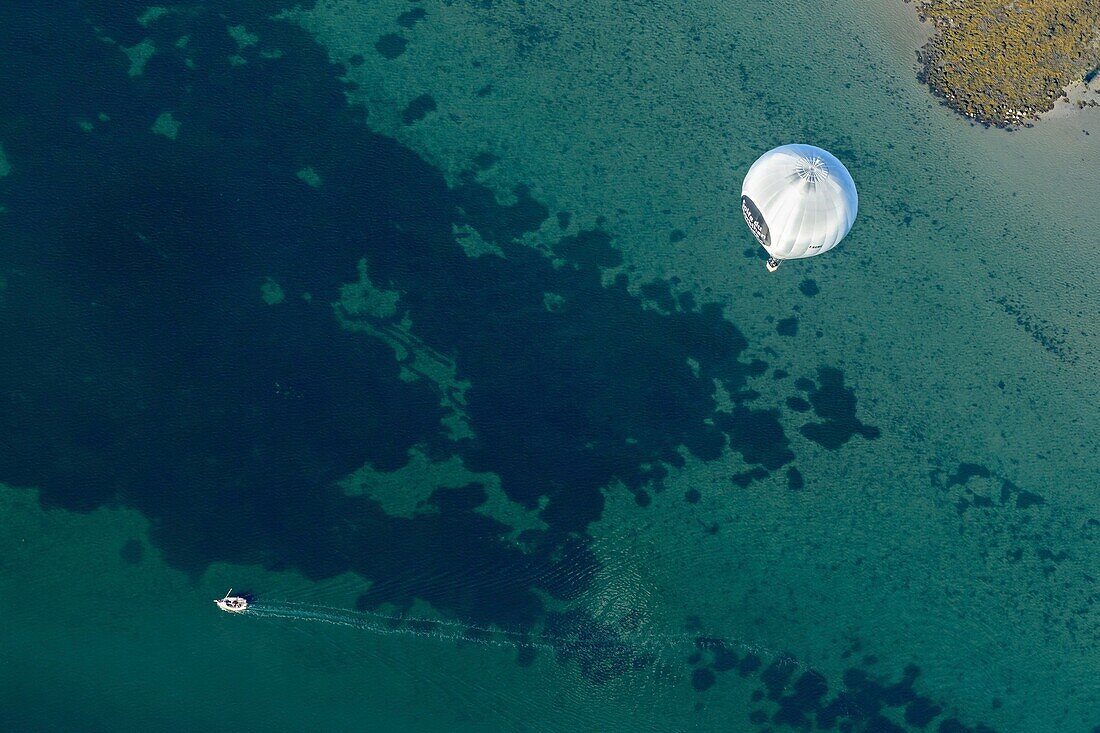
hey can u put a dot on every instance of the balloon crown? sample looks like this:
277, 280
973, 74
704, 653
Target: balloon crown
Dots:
812, 169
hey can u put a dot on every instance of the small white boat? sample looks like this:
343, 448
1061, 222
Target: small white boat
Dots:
231, 603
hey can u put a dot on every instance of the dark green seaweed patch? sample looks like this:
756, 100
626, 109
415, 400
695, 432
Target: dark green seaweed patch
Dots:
702, 679
418, 109
795, 481
659, 293
411, 17
968, 478
787, 327
1025, 499
798, 404
485, 161
757, 435
837, 406
391, 45
591, 248
858, 706
967, 471
745, 478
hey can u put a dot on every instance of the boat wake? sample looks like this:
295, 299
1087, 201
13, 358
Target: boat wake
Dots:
382, 623
583, 636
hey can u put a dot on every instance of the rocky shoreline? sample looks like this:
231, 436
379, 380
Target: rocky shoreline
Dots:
1005, 62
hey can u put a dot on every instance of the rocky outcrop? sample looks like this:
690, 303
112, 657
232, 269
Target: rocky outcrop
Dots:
1004, 62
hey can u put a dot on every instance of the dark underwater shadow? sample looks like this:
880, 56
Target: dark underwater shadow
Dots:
144, 369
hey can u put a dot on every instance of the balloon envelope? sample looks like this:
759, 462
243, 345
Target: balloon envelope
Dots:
798, 201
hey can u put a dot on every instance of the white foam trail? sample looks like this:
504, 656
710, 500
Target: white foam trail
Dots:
606, 637
388, 624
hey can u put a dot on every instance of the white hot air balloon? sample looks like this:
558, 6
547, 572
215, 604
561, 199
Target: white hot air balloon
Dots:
798, 201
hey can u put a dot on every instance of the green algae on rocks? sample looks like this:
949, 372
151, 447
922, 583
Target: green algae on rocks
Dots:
1003, 62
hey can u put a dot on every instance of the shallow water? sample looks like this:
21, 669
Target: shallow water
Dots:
441, 319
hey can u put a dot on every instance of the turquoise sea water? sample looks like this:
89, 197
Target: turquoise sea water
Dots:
436, 327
